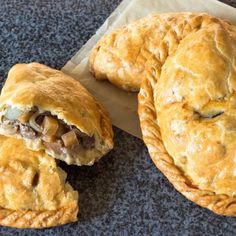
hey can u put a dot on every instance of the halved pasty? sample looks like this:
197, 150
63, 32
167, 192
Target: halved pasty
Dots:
52, 111
33, 190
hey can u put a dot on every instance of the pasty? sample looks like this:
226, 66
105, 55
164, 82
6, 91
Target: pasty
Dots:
187, 110
122, 56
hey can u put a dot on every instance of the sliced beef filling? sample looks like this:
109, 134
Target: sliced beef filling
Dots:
55, 133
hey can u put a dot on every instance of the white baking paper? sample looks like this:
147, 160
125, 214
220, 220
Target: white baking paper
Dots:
122, 106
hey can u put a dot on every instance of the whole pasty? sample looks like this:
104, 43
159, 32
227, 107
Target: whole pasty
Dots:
123, 55
33, 190
52, 111
187, 110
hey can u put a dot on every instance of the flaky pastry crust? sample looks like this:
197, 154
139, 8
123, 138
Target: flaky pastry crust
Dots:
186, 111
122, 56
33, 190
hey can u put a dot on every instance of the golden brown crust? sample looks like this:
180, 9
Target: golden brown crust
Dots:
33, 84
155, 116
38, 219
122, 56
195, 104
219, 203
33, 190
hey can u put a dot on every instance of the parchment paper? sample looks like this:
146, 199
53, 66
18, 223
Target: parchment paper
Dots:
122, 106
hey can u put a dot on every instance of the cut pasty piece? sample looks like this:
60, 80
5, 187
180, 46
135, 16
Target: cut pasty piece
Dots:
188, 116
122, 56
33, 190
52, 111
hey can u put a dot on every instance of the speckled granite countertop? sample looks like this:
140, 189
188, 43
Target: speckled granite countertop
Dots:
123, 194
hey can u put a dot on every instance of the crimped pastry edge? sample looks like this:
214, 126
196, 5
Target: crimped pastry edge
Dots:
38, 219
219, 203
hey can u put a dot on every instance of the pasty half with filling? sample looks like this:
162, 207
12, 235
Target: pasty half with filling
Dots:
52, 111
33, 190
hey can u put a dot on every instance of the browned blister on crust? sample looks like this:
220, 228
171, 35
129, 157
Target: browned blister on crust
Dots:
187, 115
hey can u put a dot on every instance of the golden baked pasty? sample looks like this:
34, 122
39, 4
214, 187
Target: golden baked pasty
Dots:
52, 111
122, 56
187, 110
33, 190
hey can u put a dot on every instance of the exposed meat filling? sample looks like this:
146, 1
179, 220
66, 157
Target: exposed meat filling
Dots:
27, 132
55, 133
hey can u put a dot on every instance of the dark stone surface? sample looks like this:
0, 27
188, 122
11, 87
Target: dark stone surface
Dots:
123, 194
